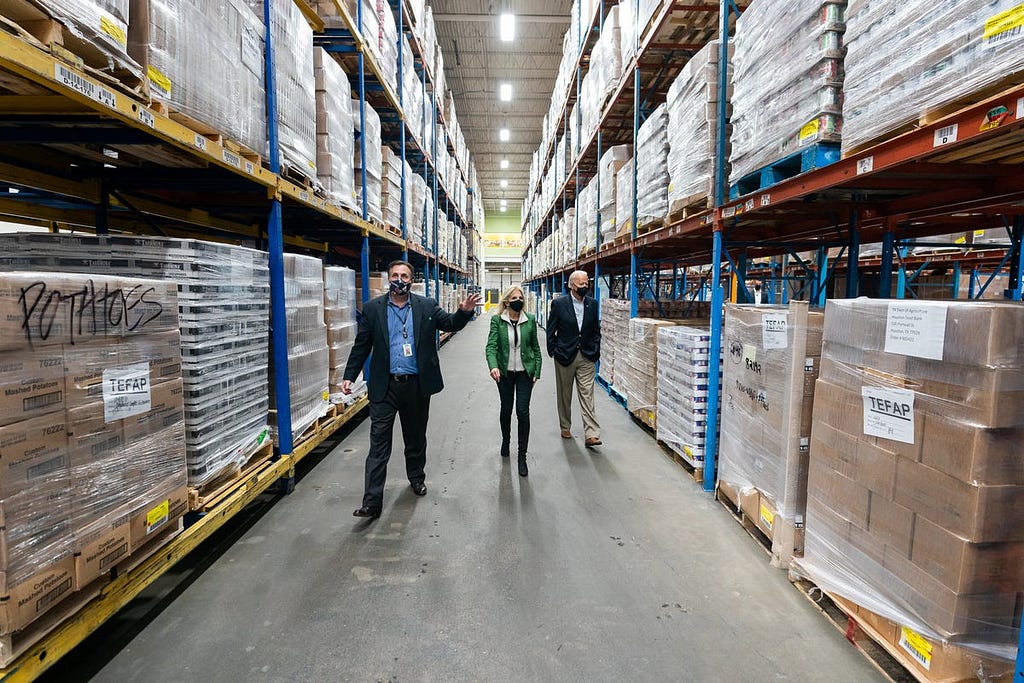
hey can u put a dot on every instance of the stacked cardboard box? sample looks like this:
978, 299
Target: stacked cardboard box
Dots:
391, 187
624, 186
91, 433
772, 359
373, 162
204, 58
916, 474
788, 81
611, 162
335, 131
652, 169
640, 379
308, 357
684, 377
614, 335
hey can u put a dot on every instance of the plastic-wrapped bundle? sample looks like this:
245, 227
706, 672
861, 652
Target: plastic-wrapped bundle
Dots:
640, 380
340, 298
374, 161
607, 59
684, 377
652, 168
623, 199
417, 200
204, 58
915, 476
387, 43
308, 357
335, 139
788, 81
296, 101
614, 334
611, 162
906, 59
693, 130
101, 26
768, 391
627, 31
391, 187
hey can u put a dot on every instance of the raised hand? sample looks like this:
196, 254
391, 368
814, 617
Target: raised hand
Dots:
470, 303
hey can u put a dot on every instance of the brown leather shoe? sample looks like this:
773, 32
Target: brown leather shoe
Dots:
566, 434
592, 441
365, 511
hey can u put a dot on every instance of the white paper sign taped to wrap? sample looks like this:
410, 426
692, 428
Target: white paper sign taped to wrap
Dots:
126, 391
889, 413
913, 329
774, 331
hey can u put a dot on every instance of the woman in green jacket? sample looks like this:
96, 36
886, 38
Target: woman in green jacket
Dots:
513, 355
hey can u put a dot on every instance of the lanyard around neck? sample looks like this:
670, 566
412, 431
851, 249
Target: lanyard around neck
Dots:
404, 319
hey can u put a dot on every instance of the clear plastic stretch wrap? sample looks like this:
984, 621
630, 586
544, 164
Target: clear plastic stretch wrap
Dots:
684, 376
340, 302
623, 199
91, 428
693, 130
101, 25
907, 59
335, 131
223, 312
640, 383
308, 356
611, 162
606, 59
204, 58
627, 31
374, 161
614, 334
916, 477
652, 168
788, 80
772, 361
391, 187
296, 100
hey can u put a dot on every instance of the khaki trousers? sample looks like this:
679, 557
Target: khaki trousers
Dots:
583, 372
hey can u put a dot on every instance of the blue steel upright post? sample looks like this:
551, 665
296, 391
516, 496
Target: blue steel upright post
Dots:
275, 244
634, 294
853, 259
401, 117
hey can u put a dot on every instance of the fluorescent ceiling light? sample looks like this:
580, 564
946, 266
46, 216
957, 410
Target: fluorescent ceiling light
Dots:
504, 184
505, 92
504, 208
504, 164
507, 27
504, 135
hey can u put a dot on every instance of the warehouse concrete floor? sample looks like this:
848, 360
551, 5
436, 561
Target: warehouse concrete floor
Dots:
600, 566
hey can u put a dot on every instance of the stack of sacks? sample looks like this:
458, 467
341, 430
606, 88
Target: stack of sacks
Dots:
340, 299
652, 169
788, 81
767, 396
308, 359
624, 184
374, 161
693, 131
391, 187
293, 71
335, 131
211, 71
612, 162
684, 378
224, 314
640, 384
943, 54
614, 334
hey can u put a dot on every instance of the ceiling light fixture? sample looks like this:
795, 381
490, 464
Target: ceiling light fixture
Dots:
504, 184
505, 92
504, 164
504, 135
507, 27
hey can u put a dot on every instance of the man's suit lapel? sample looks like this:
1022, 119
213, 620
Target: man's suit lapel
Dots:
382, 320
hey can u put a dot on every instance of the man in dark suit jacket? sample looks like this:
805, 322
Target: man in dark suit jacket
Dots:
399, 328
574, 341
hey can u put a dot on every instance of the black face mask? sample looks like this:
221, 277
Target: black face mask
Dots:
517, 305
399, 287
582, 291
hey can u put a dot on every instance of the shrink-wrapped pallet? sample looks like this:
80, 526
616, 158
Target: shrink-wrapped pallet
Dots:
374, 162
916, 473
611, 162
788, 81
640, 381
652, 169
391, 187
773, 357
95, 30
625, 182
335, 131
685, 374
614, 336
340, 304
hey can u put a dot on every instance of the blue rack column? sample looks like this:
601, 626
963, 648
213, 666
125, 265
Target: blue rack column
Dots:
634, 290
401, 116
275, 239
885, 269
1016, 286
853, 259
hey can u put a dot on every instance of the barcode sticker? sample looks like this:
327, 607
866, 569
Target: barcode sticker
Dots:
917, 646
250, 168
200, 142
146, 116
1020, 108
83, 85
946, 135
766, 199
865, 165
232, 158
766, 516
729, 212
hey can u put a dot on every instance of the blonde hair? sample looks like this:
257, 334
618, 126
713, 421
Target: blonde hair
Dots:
503, 304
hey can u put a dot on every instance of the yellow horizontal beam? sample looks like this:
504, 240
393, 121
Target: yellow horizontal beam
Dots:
314, 20
40, 104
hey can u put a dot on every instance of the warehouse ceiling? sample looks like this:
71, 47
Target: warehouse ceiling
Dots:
477, 62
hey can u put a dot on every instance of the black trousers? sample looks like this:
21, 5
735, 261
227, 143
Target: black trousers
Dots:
413, 409
515, 387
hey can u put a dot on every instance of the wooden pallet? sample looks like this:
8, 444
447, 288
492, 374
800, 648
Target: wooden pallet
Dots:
205, 497
207, 131
813, 157
898, 654
150, 548
695, 471
647, 225
687, 207
780, 538
732, 504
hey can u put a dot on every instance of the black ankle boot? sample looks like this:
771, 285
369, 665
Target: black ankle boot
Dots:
504, 449
523, 470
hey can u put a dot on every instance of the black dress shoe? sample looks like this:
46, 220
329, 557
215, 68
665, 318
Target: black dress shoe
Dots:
523, 469
419, 488
372, 513
504, 449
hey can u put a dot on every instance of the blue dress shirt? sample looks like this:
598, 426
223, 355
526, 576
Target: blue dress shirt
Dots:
400, 319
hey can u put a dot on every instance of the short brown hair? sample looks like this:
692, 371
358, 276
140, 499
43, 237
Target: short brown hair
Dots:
400, 262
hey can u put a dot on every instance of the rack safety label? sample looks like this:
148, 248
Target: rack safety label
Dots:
84, 86
917, 646
913, 329
865, 165
889, 413
146, 116
946, 135
231, 158
200, 142
126, 391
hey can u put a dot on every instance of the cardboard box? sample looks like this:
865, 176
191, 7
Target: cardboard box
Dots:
99, 546
91, 438
843, 495
158, 513
966, 567
86, 363
31, 384
34, 595
167, 409
32, 452
891, 523
975, 454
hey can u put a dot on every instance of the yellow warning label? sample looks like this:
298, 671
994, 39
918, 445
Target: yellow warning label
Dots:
766, 516
810, 130
115, 29
158, 514
157, 78
688, 451
961, 240
917, 645
1004, 22
327, 396
979, 233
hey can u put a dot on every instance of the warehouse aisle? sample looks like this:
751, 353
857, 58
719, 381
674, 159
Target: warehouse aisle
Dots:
598, 567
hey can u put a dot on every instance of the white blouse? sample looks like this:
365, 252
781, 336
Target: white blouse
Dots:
515, 338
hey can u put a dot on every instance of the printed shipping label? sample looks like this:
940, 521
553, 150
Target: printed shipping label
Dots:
158, 79
157, 516
1004, 26
774, 331
126, 391
767, 517
84, 86
115, 28
917, 646
915, 330
889, 413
